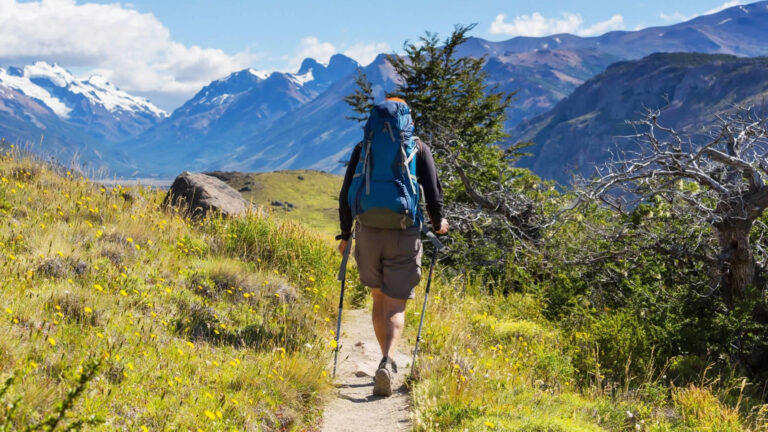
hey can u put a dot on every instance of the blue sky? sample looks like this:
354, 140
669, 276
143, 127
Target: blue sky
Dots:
168, 49
273, 30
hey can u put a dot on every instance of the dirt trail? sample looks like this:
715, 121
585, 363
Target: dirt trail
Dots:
355, 408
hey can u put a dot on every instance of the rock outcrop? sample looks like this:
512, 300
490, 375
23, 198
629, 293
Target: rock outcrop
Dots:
200, 195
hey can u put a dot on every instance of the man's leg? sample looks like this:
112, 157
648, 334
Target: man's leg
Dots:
388, 321
379, 318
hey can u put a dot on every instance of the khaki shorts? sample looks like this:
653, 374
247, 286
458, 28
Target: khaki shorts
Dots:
389, 259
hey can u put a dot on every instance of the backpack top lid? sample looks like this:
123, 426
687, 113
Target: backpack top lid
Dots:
395, 99
394, 114
391, 108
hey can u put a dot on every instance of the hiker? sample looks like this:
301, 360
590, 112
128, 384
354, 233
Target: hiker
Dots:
381, 192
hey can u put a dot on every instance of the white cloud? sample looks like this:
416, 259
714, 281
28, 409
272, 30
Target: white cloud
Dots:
616, 22
311, 46
678, 17
365, 53
538, 25
133, 50
724, 6
674, 17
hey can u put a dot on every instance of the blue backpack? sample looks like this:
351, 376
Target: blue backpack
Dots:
384, 192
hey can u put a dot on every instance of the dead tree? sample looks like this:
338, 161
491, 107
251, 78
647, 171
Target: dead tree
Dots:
723, 181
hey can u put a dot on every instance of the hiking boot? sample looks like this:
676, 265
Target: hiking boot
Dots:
382, 381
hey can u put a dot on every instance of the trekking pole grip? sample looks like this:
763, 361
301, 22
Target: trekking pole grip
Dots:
343, 267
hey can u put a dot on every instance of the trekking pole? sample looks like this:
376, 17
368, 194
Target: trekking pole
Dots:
343, 278
438, 246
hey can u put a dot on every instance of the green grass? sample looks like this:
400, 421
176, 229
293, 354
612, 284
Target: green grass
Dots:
226, 324
315, 199
198, 325
494, 363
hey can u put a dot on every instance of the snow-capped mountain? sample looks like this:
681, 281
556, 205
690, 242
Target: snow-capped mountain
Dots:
93, 102
47, 105
219, 118
317, 135
319, 77
542, 71
257, 121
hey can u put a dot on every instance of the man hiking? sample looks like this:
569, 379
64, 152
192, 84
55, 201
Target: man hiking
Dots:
381, 193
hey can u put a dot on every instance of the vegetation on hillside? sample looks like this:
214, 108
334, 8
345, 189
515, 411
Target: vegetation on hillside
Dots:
306, 196
195, 325
121, 314
602, 317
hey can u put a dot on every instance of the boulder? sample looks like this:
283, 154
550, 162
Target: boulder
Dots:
200, 195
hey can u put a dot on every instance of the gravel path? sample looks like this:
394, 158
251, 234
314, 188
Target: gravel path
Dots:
355, 408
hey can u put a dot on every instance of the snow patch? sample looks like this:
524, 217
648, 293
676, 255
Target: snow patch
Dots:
744, 9
219, 100
27, 87
104, 93
557, 39
724, 21
59, 76
302, 79
260, 74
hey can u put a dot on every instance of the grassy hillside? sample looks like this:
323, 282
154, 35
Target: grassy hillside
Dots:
140, 319
314, 195
213, 325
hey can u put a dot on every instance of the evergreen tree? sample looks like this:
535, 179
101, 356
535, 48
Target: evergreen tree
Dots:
462, 118
362, 99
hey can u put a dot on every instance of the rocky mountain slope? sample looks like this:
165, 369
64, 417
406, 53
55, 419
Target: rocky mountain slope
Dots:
225, 115
738, 30
585, 128
542, 70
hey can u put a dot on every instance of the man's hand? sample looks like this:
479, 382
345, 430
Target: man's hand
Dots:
342, 246
443, 227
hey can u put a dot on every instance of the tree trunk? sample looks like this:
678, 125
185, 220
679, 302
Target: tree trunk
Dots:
737, 266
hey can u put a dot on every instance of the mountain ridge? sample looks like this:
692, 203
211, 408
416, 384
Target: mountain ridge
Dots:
586, 128
254, 120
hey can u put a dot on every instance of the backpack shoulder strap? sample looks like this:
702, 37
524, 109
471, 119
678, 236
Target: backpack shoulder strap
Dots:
419, 143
